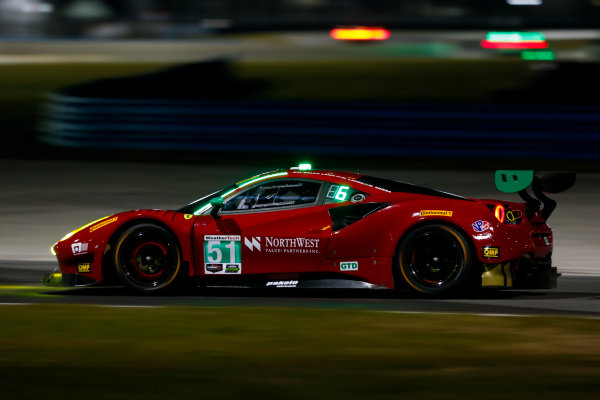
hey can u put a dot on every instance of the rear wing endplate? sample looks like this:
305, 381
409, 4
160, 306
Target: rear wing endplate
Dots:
518, 181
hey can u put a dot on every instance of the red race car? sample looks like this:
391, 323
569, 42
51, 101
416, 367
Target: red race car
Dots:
317, 228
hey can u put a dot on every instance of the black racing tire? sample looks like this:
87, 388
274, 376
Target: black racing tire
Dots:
436, 260
147, 258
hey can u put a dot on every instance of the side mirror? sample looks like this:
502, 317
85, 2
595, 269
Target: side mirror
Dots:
217, 204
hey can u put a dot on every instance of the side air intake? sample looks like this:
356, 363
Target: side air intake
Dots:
347, 215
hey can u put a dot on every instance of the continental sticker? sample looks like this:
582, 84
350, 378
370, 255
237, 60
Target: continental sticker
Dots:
491, 252
102, 224
439, 213
84, 268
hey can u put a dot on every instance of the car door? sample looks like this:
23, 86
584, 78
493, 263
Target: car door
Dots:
272, 227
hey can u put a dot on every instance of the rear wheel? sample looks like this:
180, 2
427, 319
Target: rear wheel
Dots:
436, 260
147, 258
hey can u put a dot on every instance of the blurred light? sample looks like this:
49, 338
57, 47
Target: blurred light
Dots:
360, 33
538, 55
514, 40
524, 2
500, 213
36, 7
305, 167
515, 36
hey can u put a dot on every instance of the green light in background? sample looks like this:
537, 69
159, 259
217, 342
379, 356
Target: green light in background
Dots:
515, 37
305, 167
539, 55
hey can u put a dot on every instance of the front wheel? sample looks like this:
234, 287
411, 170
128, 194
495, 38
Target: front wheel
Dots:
436, 260
147, 258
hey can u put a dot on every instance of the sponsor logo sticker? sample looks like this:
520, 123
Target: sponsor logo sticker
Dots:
282, 284
188, 216
84, 268
222, 254
214, 268
439, 213
272, 244
491, 252
357, 198
233, 268
481, 226
252, 243
349, 266
103, 224
79, 248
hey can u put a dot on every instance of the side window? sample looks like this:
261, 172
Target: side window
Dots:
338, 193
283, 193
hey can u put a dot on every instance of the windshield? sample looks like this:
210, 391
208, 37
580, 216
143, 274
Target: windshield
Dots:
198, 206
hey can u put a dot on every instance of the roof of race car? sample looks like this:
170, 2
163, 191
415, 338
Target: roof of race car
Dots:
385, 185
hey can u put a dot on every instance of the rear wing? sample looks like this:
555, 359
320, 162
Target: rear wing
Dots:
518, 181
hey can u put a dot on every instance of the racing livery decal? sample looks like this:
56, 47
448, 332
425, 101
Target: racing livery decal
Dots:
491, 252
283, 245
481, 226
440, 213
84, 268
349, 266
222, 254
103, 224
79, 248
283, 284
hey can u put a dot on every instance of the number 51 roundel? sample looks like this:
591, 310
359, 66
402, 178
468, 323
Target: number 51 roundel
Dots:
222, 254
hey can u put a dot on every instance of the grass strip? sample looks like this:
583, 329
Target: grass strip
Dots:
75, 351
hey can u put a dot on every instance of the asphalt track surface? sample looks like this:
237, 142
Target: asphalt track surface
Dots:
42, 200
576, 296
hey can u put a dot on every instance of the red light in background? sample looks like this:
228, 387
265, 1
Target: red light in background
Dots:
360, 33
514, 45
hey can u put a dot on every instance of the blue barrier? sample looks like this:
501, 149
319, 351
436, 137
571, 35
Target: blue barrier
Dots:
513, 131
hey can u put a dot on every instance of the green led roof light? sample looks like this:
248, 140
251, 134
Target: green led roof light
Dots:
253, 180
305, 167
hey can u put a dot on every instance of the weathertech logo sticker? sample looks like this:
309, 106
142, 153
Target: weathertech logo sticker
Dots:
491, 252
439, 213
102, 224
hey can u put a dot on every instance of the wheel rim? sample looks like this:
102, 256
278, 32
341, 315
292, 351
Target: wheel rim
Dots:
434, 259
148, 258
